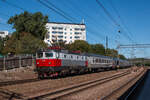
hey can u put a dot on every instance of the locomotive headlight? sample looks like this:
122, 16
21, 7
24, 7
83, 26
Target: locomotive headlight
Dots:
37, 62
49, 62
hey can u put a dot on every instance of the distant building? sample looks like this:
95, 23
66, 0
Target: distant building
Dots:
3, 34
68, 32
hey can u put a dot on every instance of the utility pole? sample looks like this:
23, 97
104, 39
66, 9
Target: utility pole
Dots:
106, 42
106, 45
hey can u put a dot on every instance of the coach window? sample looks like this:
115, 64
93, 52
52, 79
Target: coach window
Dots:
103, 61
85, 58
48, 54
77, 57
71, 56
82, 58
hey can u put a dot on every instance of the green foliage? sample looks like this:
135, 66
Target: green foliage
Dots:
1, 44
122, 56
81, 45
29, 35
30, 23
61, 44
111, 52
97, 49
26, 44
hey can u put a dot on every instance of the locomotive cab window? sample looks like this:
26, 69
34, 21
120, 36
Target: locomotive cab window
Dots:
48, 54
39, 55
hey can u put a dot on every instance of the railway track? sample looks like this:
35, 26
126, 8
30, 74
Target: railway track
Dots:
55, 94
116, 91
6, 83
18, 82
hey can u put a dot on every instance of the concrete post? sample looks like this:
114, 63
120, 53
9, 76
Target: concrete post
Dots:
4, 66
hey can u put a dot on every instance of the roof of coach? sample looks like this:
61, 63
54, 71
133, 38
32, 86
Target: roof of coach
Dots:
96, 55
119, 59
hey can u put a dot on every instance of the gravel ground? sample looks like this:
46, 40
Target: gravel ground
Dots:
98, 92
28, 88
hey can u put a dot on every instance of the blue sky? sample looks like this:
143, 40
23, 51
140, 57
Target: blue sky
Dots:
135, 15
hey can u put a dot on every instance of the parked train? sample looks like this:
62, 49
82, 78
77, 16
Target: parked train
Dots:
50, 63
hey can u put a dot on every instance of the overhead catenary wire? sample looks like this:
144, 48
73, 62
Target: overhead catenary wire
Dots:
63, 15
88, 28
14, 5
119, 17
91, 21
108, 14
50, 3
113, 20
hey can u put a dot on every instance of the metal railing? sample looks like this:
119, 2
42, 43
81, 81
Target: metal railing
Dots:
7, 63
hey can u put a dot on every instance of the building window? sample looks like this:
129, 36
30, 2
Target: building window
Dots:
54, 32
54, 28
77, 37
71, 37
82, 29
77, 33
65, 37
60, 36
70, 29
60, 40
60, 28
71, 33
2, 32
60, 32
65, 33
76, 29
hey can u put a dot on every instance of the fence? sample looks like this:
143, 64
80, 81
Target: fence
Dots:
7, 63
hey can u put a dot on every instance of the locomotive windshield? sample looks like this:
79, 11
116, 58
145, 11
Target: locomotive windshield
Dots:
48, 54
39, 55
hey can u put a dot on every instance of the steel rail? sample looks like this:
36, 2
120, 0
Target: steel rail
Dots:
18, 82
75, 88
121, 87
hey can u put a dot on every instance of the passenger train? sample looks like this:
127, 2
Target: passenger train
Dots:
51, 63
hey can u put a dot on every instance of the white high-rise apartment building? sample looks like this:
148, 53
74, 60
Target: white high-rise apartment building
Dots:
3, 34
68, 32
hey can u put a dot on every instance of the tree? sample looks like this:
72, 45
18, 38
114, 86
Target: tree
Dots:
27, 44
98, 49
29, 23
1, 44
111, 52
81, 45
122, 56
